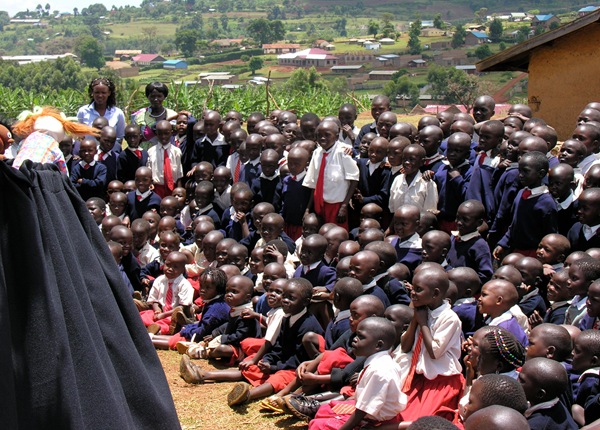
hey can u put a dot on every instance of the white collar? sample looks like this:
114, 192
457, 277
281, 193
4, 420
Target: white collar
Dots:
373, 357
212, 300
447, 163
435, 313
373, 166
395, 169
589, 231
506, 316
435, 157
342, 315
467, 236
174, 281
143, 195
270, 178
578, 301
542, 189
236, 311
540, 406
376, 278
254, 162
218, 141
205, 208
299, 176
294, 318
591, 371
412, 242
566, 202
165, 147
310, 267
83, 163
370, 285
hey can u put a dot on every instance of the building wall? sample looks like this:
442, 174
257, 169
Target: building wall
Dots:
563, 78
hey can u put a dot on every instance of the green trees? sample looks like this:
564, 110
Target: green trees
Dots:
255, 63
401, 87
89, 52
458, 39
302, 80
437, 22
496, 30
414, 44
188, 36
265, 31
483, 51
450, 85
373, 28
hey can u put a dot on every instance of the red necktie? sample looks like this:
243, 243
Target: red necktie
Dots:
318, 197
168, 173
293, 177
236, 173
526, 194
595, 326
138, 153
169, 298
413, 364
139, 198
86, 166
101, 156
482, 158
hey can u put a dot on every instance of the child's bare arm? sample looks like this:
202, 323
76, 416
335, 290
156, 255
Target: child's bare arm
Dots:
408, 338
578, 414
421, 315
354, 420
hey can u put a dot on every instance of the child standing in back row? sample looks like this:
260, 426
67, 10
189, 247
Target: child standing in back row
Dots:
431, 345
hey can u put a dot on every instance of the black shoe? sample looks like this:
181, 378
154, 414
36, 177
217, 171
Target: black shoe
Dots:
302, 407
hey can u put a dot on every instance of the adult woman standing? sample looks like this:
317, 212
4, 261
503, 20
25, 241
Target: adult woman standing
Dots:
103, 103
146, 118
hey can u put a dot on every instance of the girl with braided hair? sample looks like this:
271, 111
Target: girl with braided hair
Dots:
500, 352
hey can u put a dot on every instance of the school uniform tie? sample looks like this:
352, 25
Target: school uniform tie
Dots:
101, 156
86, 166
413, 363
236, 173
168, 173
318, 196
526, 194
482, 158
138, 153
169, 298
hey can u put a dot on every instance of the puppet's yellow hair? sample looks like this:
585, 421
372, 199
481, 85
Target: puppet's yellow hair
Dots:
24, 127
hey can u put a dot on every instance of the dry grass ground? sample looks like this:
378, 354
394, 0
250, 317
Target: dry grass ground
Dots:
204, 407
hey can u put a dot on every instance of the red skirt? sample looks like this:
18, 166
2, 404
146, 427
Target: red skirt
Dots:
428, 397
293, 231
148, 319
330, 212
326, 419
337, 358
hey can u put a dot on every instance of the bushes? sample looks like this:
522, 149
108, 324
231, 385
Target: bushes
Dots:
228, 56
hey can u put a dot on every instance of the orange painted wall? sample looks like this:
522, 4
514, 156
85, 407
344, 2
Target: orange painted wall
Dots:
564, 76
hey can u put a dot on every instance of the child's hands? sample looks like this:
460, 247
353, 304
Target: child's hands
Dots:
264, 366
499, 253
240, 217
248, 313
308, 378
428, 175
504, 163
208, 338
421, 315
244, 365
358, 197
348, 150
467, 345
342, 213
320, 294
272, 251
548, 270
535, 319
146, 282
348, 132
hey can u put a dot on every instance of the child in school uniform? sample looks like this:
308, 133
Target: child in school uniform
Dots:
224, 342
496, 299
431, 345
584, 234
552, 252
88, 176
168, 292
559, 296
561, 183
235, 219
530, 296
452, 179
468, 285
107, 154
378, 398
143, 199
581, 275
534, 213
430, 137
364, 266
408, 244
586, 363
374, 180
468, 248
411, 187
543, 381
268, 186
142, 250
481, 186
251, 169
165, 161
222, 182
331, 164
295, 197
312, 266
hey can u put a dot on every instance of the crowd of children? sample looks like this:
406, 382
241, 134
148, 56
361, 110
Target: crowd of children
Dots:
439, 276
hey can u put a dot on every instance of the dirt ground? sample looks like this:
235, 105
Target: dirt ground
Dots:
205, 407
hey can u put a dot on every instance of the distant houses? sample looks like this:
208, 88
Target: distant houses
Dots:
474, 38
280, 48
175, 64
544, 21
26, 59
308, 57
148, 59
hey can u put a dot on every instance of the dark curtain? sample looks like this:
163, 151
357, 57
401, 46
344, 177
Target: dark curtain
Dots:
73, 351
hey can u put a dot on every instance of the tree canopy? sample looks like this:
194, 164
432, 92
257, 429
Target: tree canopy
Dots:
265, 31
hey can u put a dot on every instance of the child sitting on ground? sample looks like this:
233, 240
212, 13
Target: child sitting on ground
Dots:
224, 342
143, 199
434, 378
168, 292
468, 248
344, 293
543, 381
364, 266
468, 285
378, 397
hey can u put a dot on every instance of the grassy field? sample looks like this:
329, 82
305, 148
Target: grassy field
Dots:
136, 29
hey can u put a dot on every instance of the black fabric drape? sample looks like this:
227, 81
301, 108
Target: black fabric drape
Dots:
74, 353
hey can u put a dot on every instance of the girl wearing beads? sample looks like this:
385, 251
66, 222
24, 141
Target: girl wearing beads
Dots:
146, 118
103, 101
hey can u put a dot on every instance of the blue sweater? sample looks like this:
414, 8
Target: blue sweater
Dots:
268, 190
533, 219
137, 208
451, 191
474, 253
481, 188
93, 182
295, 199
578, 240
214, 315
128, 163
374, 188
504, 195
321, 276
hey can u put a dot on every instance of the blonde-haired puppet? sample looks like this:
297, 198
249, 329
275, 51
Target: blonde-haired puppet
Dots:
42, 131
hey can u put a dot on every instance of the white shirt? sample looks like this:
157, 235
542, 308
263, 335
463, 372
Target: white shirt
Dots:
566, 202
115, 116
540, 406
379, 389
588, 162
156, 162
542, 189
313, 266
232, 161
274, 319
420, 192
467, 236
183, 292
347, 140
488, 160
589, 231
147, 254
373, 166
446, 331
296, 317
339, 171
223, 200
413, 242
219, 140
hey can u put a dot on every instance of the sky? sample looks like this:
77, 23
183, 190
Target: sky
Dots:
14, 6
